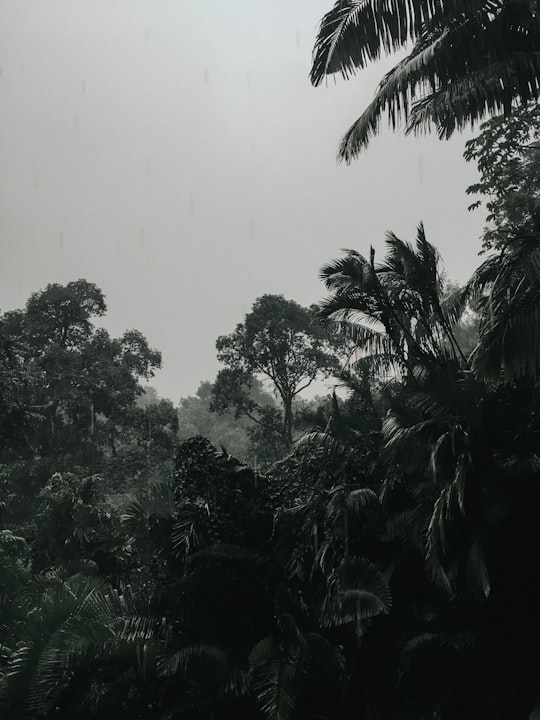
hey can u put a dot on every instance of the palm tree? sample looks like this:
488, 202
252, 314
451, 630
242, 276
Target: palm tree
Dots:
76, 628
469, 58
394, 310
296, 673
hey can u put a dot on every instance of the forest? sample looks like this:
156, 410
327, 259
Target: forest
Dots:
253, 554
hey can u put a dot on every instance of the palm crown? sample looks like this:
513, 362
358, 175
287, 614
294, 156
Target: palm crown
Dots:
468, 58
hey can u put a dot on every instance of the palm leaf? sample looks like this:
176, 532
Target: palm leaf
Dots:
355, 32
469, 58
478, 569
206, 665
157, 501
272, 679
436, 540
357, 591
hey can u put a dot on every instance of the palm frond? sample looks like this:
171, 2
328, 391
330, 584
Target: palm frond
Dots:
355, 32
422, 641
325, 440
409, 526
188, 528
68, 620
360, 498
357, 591
462, 640
478, 568
272, 679
157, 501
436, 540
469, 58
487, 90
203, 664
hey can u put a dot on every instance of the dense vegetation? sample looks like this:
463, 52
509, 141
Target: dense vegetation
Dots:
369, 554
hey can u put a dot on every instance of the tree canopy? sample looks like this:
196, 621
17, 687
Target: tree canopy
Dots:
507, 154
385, 566
282, 342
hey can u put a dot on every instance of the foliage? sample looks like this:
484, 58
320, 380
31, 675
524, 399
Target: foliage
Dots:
467, 59
74, 527
69, 388
142, 445
506, 153
394, 311
282, 342
385, 568
237, 434
507, 288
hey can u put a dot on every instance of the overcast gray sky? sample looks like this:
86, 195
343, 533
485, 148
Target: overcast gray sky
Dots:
174, 153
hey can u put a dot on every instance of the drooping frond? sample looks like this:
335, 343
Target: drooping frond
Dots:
207, 663
470, 58
351, 499
355, 32
395, 96
488, 90
325, 440
188, 528
510, 338
436, 541
357, 591
273, 674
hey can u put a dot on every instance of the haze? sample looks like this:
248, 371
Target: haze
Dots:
175, 154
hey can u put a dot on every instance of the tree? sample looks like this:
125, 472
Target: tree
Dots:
65, 373
79, 632
507, 154
72, 525
61, 315
469, 58
394, 311
68, 393
451, 451
282, 342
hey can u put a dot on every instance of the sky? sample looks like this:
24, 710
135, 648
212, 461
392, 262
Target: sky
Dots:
174, 153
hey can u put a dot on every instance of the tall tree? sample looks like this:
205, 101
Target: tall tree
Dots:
394, 310
282, 342
65, 378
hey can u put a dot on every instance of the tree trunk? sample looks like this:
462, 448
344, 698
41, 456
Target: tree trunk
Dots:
92, 419
148, 443
287, 421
